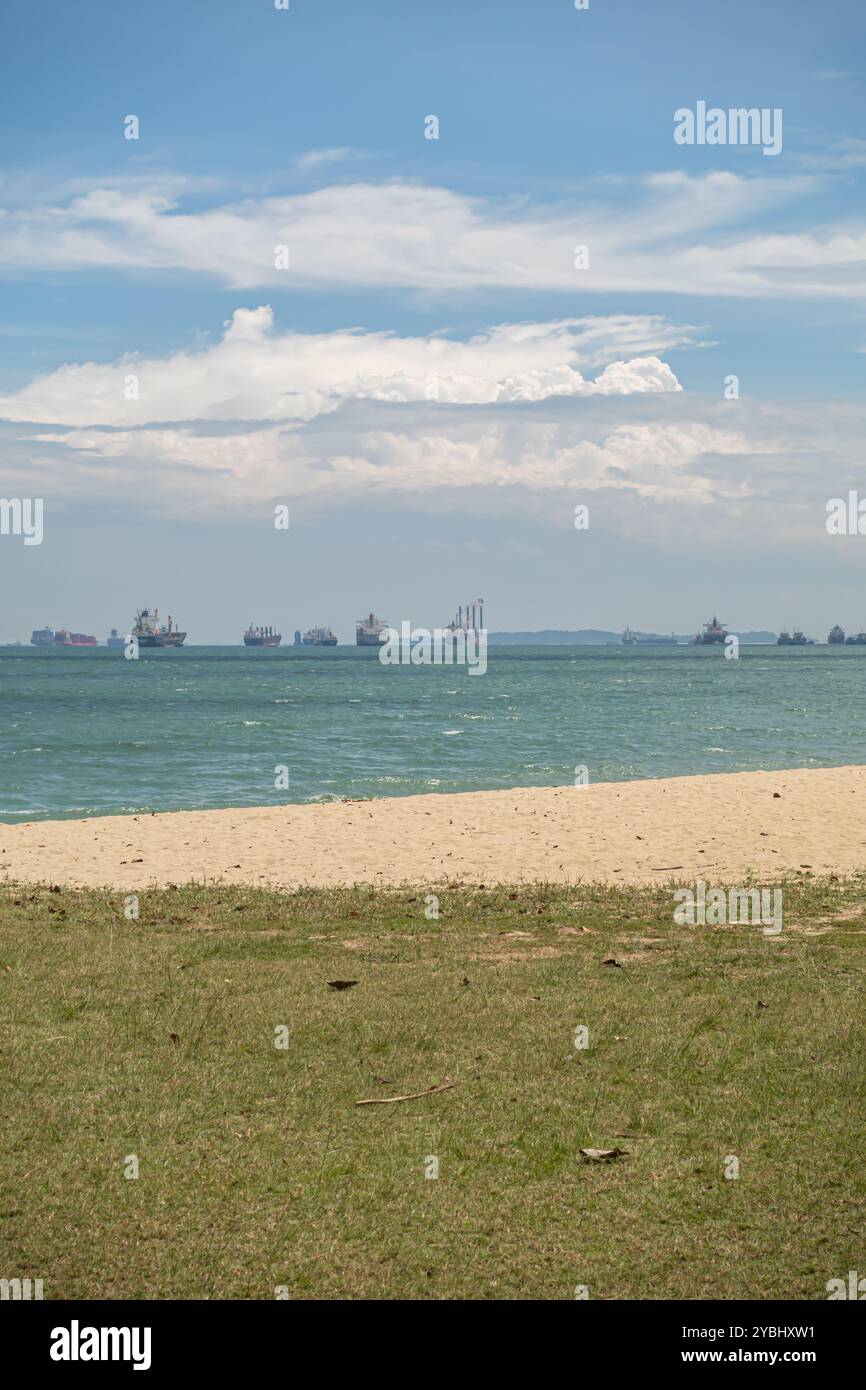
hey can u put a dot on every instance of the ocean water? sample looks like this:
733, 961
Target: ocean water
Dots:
88, 733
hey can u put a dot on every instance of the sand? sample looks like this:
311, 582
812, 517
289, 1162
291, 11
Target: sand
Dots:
720, 828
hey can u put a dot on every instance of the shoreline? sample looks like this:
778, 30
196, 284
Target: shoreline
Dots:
722, 827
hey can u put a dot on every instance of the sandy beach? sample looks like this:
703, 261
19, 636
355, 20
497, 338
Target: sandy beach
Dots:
720, 827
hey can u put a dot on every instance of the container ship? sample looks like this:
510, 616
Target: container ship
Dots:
319, 637
42, 637
150, 634
262, 637
714, 634
370, 631
47, 637
640, 639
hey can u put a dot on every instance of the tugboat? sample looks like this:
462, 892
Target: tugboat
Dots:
713, 635
319, 637
783, 639
370, 631
836, 636
262, 637
150, 634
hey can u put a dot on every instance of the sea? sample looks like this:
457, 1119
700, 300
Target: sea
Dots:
90, 733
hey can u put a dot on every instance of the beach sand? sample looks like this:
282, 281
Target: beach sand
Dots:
719, 827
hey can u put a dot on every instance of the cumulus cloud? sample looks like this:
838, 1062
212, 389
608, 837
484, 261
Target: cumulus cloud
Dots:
660, 467
526, 418
668, 232
254, 373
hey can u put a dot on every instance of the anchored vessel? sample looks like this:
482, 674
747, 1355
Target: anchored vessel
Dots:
798, 640
470, 619
713, 634
640, 639
64, 638
319, 637
262, 637
370, 631
42, 637
150, 634
858, 641
114, 639
836, 636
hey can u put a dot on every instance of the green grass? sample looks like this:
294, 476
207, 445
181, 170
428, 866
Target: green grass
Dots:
155, 1037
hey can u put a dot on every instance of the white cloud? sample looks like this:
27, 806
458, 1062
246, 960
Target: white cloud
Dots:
660, 467
668, 232
314, 159
256, 374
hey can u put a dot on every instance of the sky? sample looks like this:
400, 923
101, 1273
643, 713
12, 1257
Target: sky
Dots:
431, 350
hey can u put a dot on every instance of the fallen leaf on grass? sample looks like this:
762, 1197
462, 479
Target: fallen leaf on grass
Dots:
602, 1155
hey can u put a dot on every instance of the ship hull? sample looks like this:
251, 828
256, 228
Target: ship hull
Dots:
312, 642
367, 639
262, 641
151, 639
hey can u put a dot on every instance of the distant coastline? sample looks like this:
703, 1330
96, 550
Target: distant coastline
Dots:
598, 637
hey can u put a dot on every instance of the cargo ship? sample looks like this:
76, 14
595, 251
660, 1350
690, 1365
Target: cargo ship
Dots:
42, 637
714, 634
371, 631
114, 640
262, 637
319, 637
150, 634
64, 638
640, 639
836, 636
798, 640
858, 641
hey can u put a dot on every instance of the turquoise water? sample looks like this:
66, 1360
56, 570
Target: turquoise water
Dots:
88, 733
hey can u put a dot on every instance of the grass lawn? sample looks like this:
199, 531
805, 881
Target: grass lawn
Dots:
156, 1038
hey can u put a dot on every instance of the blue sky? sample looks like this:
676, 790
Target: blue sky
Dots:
555, 128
